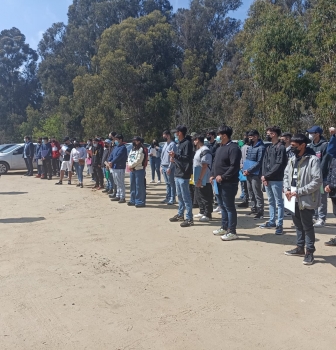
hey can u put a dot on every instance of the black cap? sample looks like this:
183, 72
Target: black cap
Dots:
66, 139
137, 138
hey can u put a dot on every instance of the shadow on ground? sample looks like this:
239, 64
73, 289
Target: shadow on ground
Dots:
20, 220
12, 193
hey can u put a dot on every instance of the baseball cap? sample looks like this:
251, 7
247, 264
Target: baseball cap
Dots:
107, 141
67, 138
315, 129
137, 138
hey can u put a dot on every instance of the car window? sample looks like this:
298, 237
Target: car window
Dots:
19, 151
9, 149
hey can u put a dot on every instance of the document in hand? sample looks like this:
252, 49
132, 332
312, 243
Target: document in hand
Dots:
290, 205
248, 164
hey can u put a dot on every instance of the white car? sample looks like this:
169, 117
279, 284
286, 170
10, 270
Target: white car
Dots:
11, 159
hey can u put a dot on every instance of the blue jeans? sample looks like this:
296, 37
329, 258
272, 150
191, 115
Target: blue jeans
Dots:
226, 200
184, 197
170, 183
79, 171
155, 163
274, 194
138, 190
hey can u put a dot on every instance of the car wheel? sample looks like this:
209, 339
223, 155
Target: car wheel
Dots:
4, 167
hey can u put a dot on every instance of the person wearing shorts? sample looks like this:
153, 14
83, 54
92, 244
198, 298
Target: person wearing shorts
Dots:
66, 164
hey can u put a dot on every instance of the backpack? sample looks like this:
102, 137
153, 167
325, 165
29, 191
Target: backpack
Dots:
205, 152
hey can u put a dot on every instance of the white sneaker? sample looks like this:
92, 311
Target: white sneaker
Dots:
229, 236
219, 232
158, 183
319, 223
152, 182
204, 219
198, 216
217, 210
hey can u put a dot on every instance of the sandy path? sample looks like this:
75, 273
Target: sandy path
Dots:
80, 272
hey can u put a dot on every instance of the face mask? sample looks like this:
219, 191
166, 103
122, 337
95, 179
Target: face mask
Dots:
39, 142
283, 142
176, 139
311, 137
94, 145
43, 141
165, 138
24, 140
209, 138
295, 150
134, 144
268, 138
116, 143
218, 139
247, 141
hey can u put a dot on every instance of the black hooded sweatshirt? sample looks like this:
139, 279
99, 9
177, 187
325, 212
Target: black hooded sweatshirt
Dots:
184, 159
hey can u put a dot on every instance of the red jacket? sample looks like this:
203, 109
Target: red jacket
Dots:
55, 150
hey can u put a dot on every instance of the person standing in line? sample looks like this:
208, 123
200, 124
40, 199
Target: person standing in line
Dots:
168, 168
213, 144
28, 155
117, 163
38, 158
225, 176
55, 147
319, 145
244, 190
183, 159
89, 157
253, 165
77, 159
137, 173
106, 171
97, 155
302, 183
154, 153
66, 165
274, 164
286, 139
46, 159
203, 189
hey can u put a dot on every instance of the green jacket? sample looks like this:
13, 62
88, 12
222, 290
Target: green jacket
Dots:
309, 180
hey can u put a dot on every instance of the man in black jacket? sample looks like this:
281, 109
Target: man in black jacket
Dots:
97, 156
273, 169
183, 160
28, 155
224, 176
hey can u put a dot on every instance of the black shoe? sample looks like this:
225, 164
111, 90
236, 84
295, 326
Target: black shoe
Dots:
195, 206
112, 195
258, 216
69, 182
105, 191
109, 192
298, 251
130, 204
331, 243
81, 185
59, 183
176, 218
115, 199
252, 212
49, 178
187, 223
26, 174
30, 175
141, 206
308, 259
122, 200
243, 205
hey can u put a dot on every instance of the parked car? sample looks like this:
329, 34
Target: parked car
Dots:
11, 158
5, 146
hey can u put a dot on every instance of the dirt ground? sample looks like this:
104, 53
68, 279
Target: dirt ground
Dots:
80, 272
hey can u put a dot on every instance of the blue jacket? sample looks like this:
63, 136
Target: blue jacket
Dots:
256, 154
332, 146
29, 150
118, 157
46, 148
38, 151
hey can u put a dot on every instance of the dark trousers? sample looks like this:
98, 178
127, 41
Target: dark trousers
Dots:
47, 169
245, 191
226, 199
29, 165
334, 205
55, 166
305, 233
255, 193
204, 197
98, 175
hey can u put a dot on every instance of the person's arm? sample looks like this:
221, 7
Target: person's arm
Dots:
186, 155
332, 146
325, 161
234, 157
316, 179
279, 161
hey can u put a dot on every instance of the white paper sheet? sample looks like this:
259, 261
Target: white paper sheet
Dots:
290, 205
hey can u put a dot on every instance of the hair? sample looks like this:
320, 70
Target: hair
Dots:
199, 137
90, 140
253, 132
275, 129
119, 137
300, 139
113, 133
142, 140
166, 132
225, 130
212, 132
27, 137
183, 129
286, 134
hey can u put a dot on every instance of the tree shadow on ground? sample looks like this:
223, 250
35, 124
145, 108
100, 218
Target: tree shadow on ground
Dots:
21, 220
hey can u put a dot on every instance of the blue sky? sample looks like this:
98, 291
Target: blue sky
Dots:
34, 17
